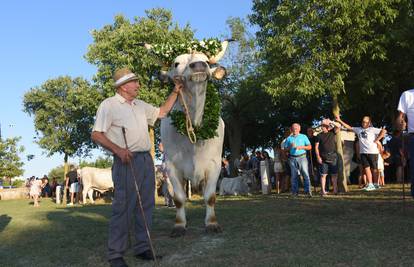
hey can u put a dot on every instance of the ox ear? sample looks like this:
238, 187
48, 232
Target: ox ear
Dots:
214, 59
219, 72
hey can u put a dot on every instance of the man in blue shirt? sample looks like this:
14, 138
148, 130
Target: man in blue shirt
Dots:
296, 145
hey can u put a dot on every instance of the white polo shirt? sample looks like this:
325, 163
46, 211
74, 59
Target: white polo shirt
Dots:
115, 112
406, 105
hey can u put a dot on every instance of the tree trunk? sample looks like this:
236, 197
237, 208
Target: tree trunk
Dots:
65, 193
235, 138
342, 179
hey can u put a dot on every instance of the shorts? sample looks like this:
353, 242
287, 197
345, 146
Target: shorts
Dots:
328, 167
369, 160
74, 188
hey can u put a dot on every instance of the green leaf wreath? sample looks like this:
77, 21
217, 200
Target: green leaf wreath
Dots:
211, 117
167, 52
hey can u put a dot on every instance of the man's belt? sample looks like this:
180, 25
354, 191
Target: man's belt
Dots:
297, 156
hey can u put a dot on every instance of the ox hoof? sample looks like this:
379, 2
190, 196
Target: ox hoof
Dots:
178, 231
213, 229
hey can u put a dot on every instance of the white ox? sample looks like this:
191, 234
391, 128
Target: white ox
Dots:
95, 179
199, 162
240, 185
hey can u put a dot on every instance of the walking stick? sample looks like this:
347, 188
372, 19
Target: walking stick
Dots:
140, 202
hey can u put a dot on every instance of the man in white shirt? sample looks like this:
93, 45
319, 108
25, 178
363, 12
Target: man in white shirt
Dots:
368, 137
124, 111
406, 112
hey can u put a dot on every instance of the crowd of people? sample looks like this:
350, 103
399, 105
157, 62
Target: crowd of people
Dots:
312, 158
42, 188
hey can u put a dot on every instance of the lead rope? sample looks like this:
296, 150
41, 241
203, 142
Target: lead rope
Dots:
188, 124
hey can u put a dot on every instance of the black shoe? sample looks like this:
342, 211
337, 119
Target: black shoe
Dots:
147, 255
118, 262
309, 195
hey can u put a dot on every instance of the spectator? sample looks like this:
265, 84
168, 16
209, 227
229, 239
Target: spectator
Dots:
325, 150
381, 157
285, 161
296, 145
53, 186
311, 155
36, 187
46, 191
72, 183
279, 170
368, 137
244, 162
397, 159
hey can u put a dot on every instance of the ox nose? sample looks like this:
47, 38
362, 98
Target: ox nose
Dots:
198, 66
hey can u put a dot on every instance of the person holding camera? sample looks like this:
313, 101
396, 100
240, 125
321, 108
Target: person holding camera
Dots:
325, 150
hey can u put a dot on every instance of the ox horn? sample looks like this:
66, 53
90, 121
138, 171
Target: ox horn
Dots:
214, 59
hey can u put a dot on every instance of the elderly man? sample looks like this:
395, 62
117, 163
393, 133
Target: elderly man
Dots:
123, 110
296, 145
325, 150
406, 111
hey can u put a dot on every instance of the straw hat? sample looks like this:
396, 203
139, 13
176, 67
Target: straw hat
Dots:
122, 76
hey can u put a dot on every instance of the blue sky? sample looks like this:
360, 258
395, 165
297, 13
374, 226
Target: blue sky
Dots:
43, 39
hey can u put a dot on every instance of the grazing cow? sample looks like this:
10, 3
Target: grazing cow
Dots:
95, 179
199, 162
240, 185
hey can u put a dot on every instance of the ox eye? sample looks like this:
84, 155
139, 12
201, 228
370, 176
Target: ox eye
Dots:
176, 64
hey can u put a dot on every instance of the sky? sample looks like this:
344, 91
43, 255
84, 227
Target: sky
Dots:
44, 39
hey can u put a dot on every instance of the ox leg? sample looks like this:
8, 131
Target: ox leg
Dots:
90, 194
211, 223
84, 193
179, 200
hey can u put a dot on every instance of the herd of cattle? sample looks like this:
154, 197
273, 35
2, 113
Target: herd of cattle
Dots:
101, 180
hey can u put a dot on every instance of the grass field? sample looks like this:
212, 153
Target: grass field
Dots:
355, 229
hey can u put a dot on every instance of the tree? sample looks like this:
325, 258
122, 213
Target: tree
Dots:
310, 48
117, 45
63, 110
10, 163
247, 109
100, 162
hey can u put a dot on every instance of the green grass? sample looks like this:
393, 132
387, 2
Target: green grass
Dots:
355, 229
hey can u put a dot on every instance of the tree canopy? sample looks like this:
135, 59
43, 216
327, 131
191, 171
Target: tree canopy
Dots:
324, 49
117, 45
63, 110
10, 162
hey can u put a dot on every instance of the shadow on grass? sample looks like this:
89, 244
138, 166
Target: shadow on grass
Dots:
4, 221
69, 236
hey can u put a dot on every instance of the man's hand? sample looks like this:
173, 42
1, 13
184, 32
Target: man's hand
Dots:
179, 84
124, 154
319, 160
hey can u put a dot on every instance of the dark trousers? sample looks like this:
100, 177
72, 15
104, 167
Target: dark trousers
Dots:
126, 213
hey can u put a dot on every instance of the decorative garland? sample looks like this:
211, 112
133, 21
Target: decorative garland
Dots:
167, 52
211, 117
